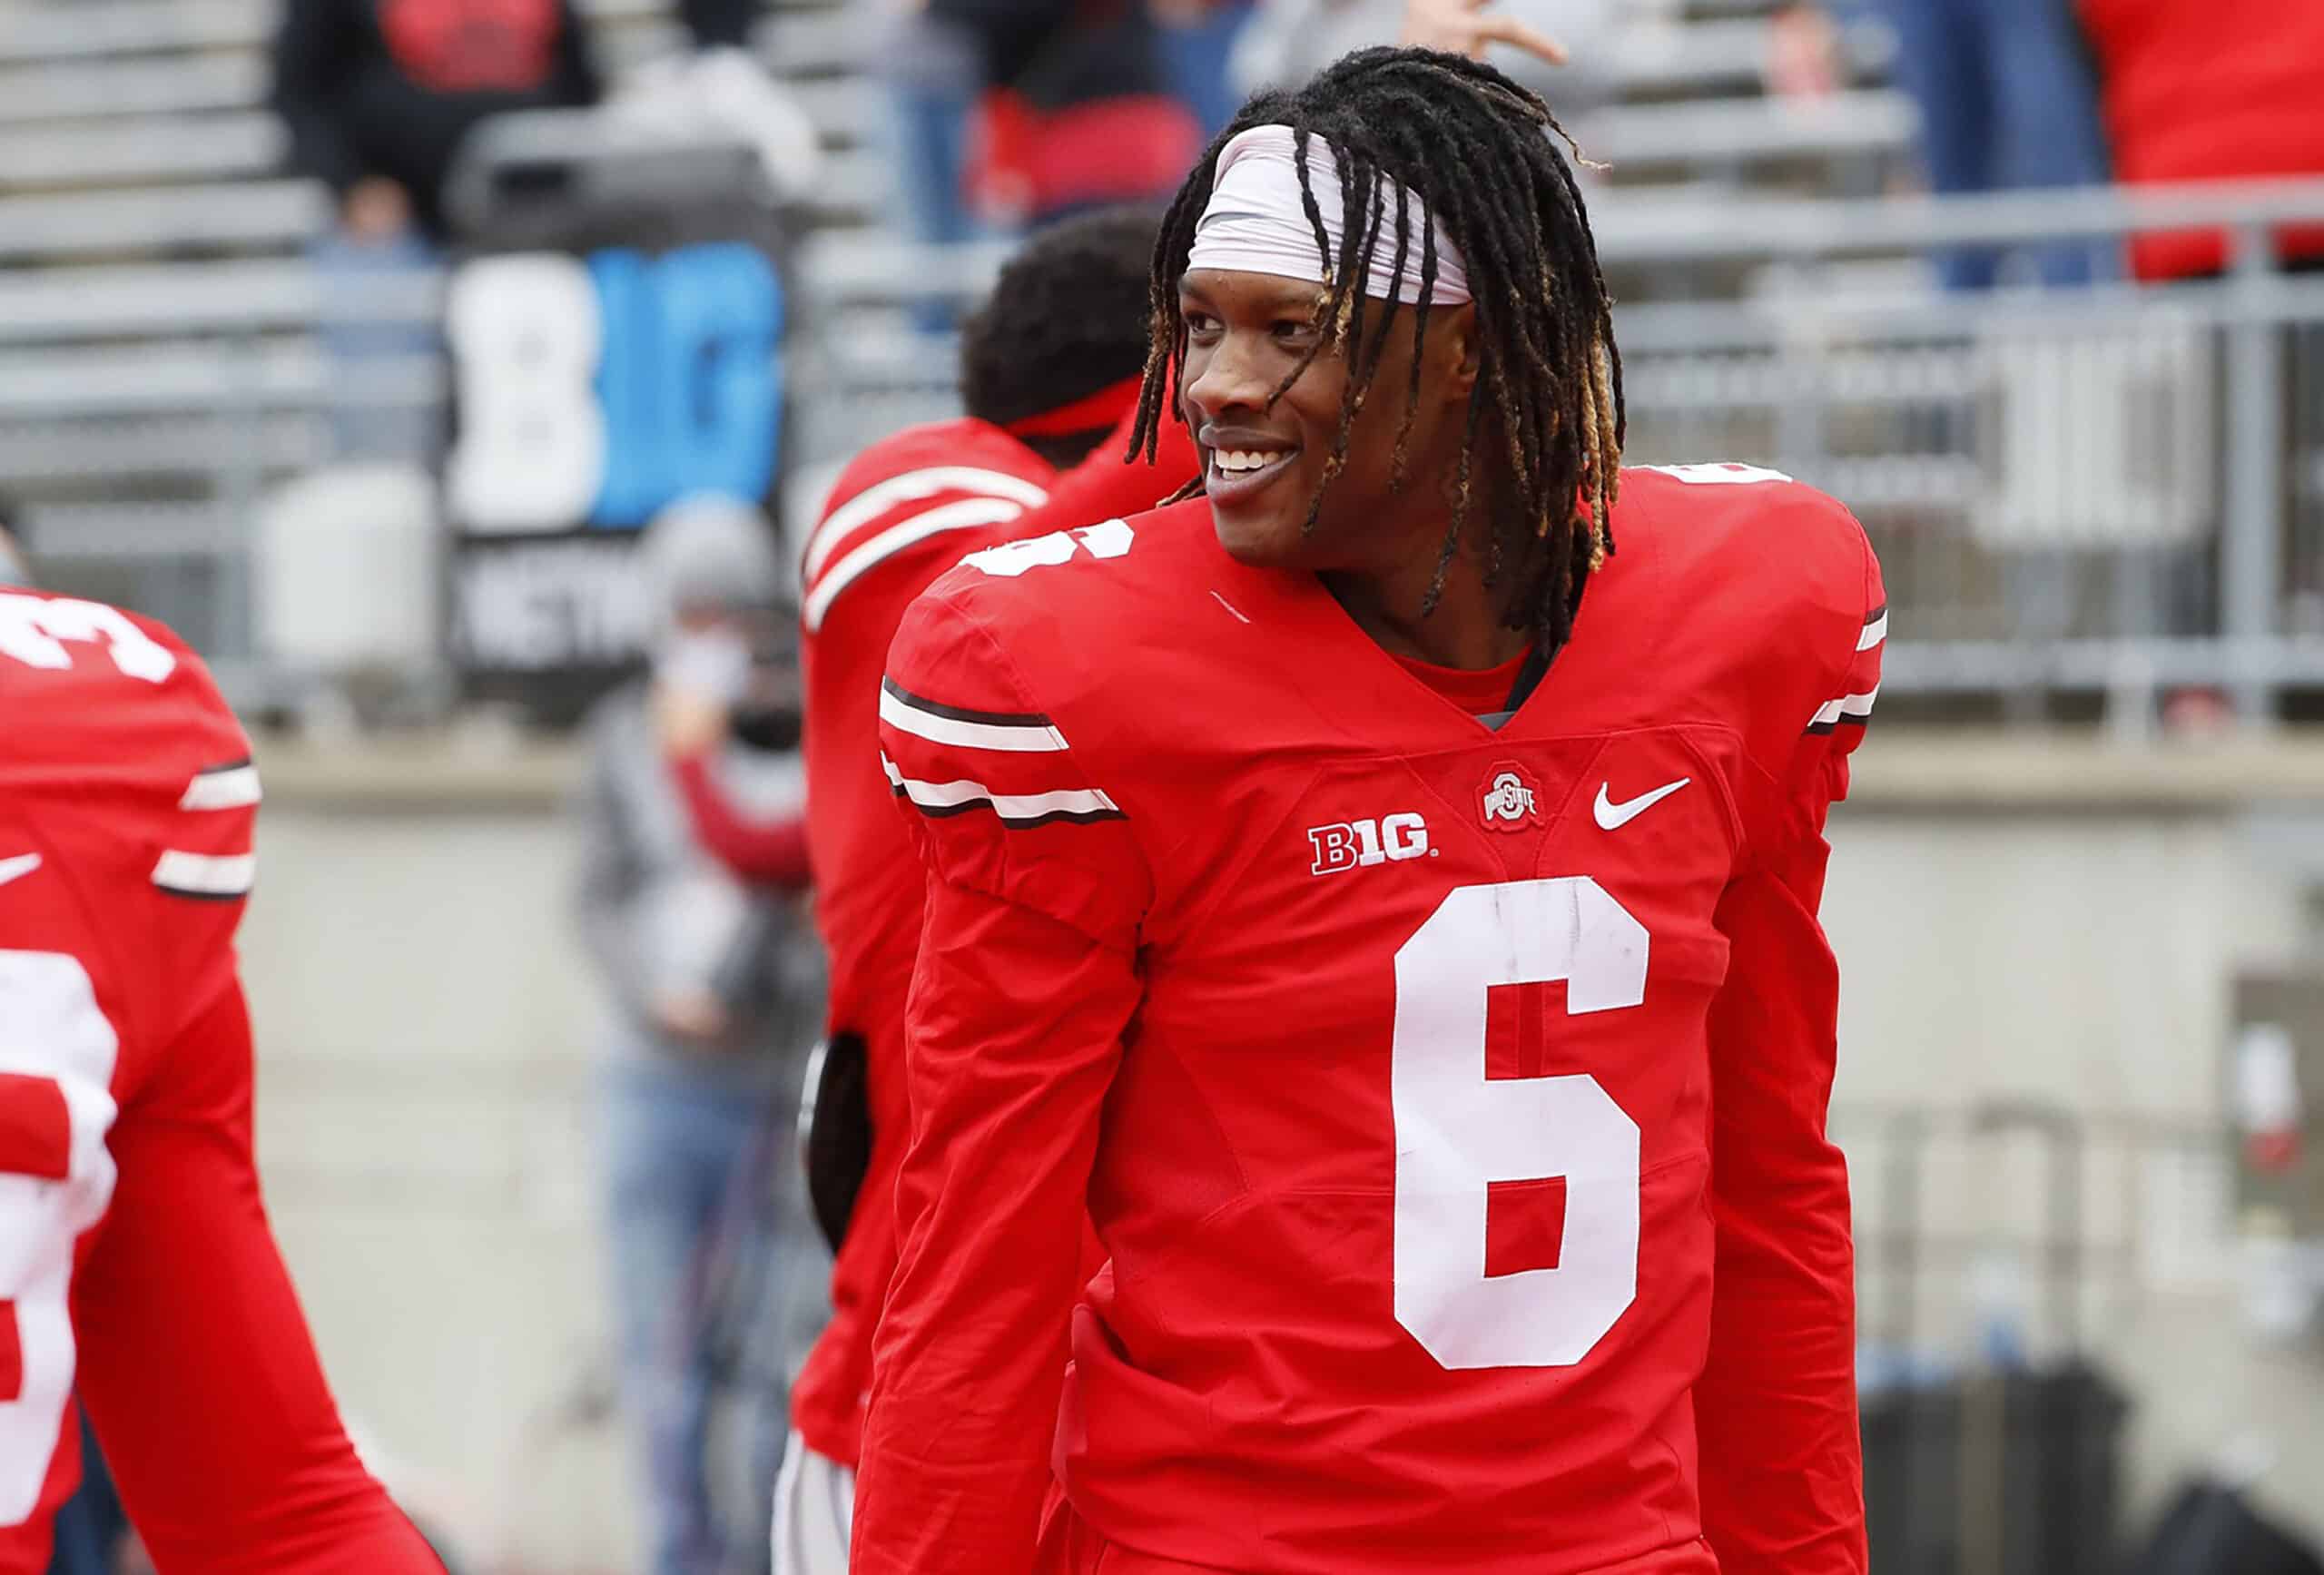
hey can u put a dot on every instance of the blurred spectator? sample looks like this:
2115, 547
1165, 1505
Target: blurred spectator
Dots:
1288, 41
1077, 111
2007, 99
1010, 113
2211, 90
378, 94
1197, 39
930, 61
715, 994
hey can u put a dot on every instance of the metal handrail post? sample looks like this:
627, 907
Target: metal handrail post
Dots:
2251, 544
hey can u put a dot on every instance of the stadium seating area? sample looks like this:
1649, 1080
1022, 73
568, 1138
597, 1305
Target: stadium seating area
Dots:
160, 366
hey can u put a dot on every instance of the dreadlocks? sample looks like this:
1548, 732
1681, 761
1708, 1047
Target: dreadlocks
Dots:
1478, 150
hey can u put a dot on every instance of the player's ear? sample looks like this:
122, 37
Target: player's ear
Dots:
1462, 349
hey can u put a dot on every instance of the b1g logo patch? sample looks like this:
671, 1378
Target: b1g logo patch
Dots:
1360, 844
1509, 799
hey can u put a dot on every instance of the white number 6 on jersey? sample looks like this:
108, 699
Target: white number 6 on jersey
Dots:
1456, 1132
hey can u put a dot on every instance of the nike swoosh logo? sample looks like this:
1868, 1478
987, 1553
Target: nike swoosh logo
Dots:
22, 864
1612, 816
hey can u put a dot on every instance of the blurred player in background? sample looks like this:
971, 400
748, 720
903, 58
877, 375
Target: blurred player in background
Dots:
1412, 969
136, 1265
1050, 375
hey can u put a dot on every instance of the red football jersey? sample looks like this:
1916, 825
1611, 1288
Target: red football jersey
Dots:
135, 1259
1422, 1078
902, 512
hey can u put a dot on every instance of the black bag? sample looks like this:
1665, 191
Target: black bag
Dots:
2210, 1529
838, 1135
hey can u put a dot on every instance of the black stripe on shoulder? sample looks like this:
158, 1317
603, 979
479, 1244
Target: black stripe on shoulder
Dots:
193, 896
1015, 823
1877, 614
962, 712
1078, 817
223, 769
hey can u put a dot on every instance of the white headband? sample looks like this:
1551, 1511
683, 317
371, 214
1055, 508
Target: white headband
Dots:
1257, 223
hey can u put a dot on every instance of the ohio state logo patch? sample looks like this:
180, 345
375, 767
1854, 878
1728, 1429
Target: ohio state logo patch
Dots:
1509, 798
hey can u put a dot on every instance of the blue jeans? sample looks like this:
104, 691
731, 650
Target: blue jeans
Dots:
2008, 98
1197, 59
346, 268
931, 154
90, 1526
687, 1162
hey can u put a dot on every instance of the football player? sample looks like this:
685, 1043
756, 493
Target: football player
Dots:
136, 1263
1049, 375
1410, 962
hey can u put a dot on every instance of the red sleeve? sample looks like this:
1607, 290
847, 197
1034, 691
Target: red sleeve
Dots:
1027, 975
908, 529
196, 1365
1775, 1409
763, 852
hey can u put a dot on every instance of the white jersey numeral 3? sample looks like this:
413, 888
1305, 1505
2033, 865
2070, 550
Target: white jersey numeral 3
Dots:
55, 1040
1456, 1132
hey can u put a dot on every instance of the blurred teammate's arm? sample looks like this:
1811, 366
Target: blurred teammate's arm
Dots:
196, 1363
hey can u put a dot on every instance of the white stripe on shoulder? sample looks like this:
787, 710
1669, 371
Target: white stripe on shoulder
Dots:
1024, 735
946, 798
232, 787
1846, 706
881, 497
1875, 629
205, 875
850, 565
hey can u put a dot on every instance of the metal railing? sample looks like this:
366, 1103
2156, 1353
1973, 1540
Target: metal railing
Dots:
2109, 491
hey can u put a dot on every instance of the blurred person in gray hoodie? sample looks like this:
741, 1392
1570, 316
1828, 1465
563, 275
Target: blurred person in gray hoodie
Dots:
716, 992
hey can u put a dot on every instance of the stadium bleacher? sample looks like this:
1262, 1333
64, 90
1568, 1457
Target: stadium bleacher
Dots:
160, 364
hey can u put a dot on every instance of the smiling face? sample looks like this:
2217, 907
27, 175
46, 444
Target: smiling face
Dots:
1262, 463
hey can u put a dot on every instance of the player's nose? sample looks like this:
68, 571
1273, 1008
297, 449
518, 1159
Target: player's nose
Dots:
1229, 379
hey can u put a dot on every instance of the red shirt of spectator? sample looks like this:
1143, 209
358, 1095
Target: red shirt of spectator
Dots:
2211, 90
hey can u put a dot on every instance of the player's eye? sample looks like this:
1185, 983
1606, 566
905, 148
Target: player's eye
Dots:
1292, 331
1201, 327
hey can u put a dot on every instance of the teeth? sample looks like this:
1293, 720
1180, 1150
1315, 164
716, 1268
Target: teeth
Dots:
1236, 461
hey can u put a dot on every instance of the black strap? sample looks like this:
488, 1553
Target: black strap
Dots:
1529, 678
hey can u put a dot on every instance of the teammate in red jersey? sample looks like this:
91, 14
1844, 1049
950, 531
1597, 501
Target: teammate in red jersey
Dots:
1050, 378
1414, 970
136, 1260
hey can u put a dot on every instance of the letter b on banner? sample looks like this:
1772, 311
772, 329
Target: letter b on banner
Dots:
596, 393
